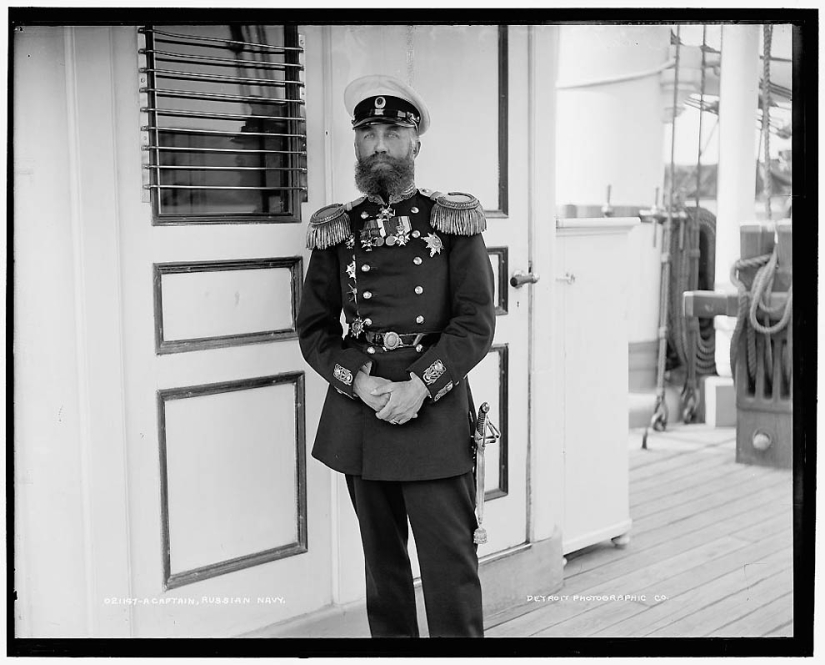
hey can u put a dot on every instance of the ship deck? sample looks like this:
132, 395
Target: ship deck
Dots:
710, 552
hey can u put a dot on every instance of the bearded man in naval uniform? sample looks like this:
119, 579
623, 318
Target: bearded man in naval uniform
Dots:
410, 271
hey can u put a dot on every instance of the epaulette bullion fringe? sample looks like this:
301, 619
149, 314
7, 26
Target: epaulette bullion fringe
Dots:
457, 213
329, 226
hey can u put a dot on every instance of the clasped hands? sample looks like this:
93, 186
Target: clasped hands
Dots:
396, 402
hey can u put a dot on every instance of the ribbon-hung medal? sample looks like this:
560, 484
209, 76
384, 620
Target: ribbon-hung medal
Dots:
385, 229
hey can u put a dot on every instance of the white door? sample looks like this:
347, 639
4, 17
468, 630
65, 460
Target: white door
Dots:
502, 378
225, 536
474, 80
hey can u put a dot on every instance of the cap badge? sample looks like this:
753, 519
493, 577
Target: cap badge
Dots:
380, 102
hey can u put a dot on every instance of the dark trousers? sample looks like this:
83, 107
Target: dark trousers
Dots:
442, 519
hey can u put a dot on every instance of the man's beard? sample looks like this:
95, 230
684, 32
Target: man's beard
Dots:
393, 177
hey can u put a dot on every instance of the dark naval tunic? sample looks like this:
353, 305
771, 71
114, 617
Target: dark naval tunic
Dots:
414, 282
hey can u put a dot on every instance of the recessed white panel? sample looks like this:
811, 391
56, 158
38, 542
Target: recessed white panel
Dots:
466, 59
495, 262
484, 381
231, 474
216, 303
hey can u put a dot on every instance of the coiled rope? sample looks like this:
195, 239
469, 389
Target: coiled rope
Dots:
752, 305
694, 267
687, 276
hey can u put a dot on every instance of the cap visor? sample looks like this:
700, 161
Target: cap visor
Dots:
383, 121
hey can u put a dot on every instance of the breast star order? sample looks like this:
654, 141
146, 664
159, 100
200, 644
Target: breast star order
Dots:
434, 244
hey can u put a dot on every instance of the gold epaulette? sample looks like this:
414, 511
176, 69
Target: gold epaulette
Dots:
457, 213
330, 225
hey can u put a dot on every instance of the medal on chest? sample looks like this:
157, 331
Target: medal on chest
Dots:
385, 229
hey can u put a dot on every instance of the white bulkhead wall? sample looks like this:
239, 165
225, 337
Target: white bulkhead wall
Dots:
610, 133
70, 527
48, 475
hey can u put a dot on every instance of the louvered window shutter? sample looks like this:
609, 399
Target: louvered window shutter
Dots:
223, 123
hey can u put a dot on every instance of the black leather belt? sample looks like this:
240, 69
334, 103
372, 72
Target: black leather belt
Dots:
390, 341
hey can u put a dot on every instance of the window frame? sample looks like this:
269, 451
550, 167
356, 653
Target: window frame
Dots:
151, 130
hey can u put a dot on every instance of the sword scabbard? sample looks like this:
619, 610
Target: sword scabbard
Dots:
479, 436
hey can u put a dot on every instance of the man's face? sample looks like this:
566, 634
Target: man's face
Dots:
386, 158
391, 141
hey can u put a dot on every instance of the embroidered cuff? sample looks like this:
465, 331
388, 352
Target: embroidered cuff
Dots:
343, 375
433, 371
346, 366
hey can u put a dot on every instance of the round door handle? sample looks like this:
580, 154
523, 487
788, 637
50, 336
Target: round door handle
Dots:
520, 278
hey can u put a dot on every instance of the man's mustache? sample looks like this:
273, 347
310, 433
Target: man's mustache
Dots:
380, 158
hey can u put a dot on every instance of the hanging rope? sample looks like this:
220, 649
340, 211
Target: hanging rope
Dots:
686, 276
701, 116
755, 312
767, 32
693, 268
411, 55
658, 420
703, 221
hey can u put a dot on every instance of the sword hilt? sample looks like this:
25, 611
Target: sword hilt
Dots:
481, 422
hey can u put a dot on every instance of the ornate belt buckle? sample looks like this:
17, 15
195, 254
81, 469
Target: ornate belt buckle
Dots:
391, 341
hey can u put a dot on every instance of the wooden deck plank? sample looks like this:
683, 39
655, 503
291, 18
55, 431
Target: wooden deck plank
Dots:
684, 478
686, 598
720, 504
756, 531
761, 621
552, 613
712, 535
707, 609
644, 464
704, 435
698, 434
673, 464
785, 630
665, 446
689, 589
648, 547
707, 619
669, 473
684, 492
669, 578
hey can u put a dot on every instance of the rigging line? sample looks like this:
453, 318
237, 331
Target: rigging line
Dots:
701, 116
766, 115
621, 78
410, 55
707, 143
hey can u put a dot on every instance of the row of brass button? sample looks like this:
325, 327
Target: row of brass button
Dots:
368, 294
366, 267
